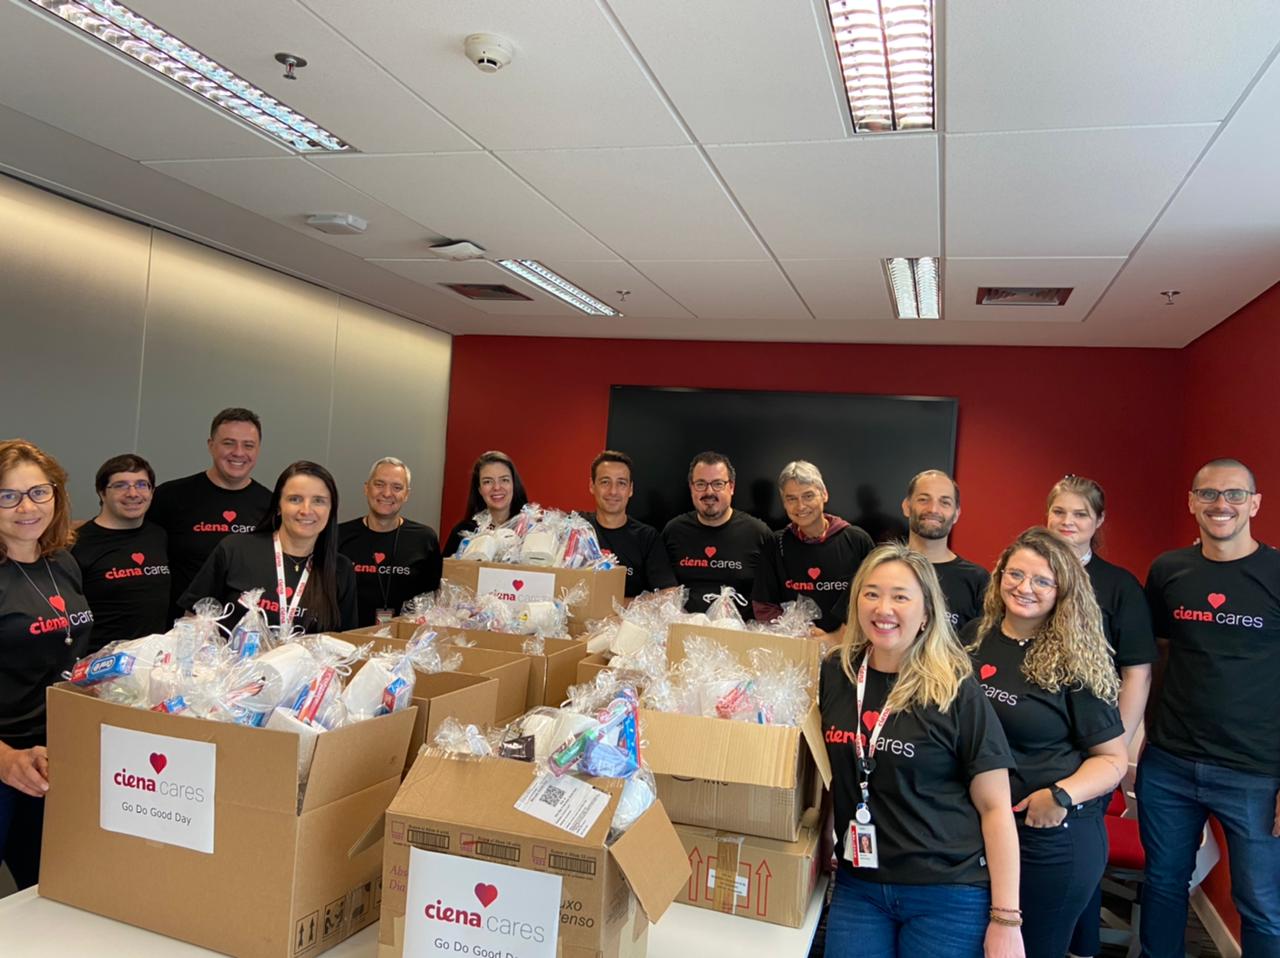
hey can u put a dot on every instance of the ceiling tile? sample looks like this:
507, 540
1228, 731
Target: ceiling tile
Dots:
1087, 278
1051, 194
470, 196
340, 88
874, 196
52, 71
742, 71
572, 82
645, 203
1090, 63
844, 289
735, 289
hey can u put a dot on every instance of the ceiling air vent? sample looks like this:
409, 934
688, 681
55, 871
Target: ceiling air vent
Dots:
494, 292
1023, 295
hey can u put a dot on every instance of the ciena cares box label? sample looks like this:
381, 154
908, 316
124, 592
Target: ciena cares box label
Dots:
158, 788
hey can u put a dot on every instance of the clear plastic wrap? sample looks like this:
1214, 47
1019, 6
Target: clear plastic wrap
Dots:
724, 609
251, 634
797, 619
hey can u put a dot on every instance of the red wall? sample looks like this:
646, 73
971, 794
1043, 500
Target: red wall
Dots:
1027, 416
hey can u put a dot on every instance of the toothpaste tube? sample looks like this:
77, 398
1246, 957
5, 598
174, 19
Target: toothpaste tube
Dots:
102, 667
172, 706
395, 696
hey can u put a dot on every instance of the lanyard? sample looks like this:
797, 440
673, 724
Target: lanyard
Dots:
288, 612
867, 760
384, 585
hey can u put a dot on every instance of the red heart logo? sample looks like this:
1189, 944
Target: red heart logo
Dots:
869, 718
987, 671
378, 557
288, 592
487, 894
158, 762
1216, 599
58, 602
710, 551
517, 584
815, 572
138, 557
229, 515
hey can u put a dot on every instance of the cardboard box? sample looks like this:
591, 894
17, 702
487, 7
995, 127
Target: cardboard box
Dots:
543, 582
471, 699
743, 778
279, 879
467, 807
772, 881
550, 673
591, 666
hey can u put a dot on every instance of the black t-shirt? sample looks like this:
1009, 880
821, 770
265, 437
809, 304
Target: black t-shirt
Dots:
927, 827
821, 571
1126, 620
963, 585
33, 640
126, 580
1050, 732
1222, 620
704, 558
197, 514
637, 547
240, 563
390, 567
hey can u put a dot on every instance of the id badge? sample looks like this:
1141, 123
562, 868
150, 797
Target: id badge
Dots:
384, 615
860, 848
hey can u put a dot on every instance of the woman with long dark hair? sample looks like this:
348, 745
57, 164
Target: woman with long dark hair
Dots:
292, 556
44, 627
1041, 656
495, 488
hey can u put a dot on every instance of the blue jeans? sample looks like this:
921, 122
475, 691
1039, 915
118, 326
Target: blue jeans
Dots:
873, 920
1175, 797
1061, 867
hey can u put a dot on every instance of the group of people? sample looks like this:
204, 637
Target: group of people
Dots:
949, 696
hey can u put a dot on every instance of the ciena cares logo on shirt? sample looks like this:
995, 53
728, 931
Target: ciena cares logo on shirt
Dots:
377, 567
139, 568
1216, 613
710, 562
228, 524
813, 585
59, 623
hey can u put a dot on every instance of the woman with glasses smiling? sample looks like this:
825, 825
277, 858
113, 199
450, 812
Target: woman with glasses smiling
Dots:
44, 626
1043, 661
124, 559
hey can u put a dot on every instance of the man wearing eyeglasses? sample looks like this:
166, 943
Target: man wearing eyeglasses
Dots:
1213, 730
714, 545
932, 506
123, 558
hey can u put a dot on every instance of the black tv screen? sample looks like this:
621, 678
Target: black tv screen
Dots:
867, 447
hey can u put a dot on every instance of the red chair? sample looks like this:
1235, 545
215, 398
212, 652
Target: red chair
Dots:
1123, 877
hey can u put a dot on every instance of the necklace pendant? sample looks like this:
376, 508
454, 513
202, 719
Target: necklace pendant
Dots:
67, 640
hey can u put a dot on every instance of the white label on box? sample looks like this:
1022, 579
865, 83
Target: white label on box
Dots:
515, 585
463, 906
741, 885
568, 803
157, 787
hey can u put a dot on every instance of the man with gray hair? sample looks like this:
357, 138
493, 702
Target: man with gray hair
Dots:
932, 506
395, 558
815, 556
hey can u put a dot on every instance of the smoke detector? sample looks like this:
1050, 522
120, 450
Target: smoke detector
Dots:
488, 51
458, 250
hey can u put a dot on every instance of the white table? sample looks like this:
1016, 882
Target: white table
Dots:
35, 927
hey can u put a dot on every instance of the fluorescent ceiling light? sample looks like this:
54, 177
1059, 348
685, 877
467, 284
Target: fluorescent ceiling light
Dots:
885, 49
141, 40
915, 286
532, 271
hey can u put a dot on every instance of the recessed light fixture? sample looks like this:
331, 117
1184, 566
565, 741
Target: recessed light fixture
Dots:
914, 282
1023, 295
531, 271
141, 40
885, 49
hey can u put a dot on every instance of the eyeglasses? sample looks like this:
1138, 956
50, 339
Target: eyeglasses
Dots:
10, 498
1039, 584
1234, 496
715, 485
142, 485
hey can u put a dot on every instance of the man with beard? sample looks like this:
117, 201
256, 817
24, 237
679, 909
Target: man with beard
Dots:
714, 545
932, 507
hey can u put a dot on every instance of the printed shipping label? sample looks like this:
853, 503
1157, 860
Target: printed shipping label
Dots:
741, 885
461, 906
567, 803
515, 585
157, 787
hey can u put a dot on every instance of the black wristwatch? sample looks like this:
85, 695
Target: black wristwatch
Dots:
1060, 796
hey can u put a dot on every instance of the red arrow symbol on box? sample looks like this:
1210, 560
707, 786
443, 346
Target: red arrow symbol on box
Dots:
695, 863
763, 874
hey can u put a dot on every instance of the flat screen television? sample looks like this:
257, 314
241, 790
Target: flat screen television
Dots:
867, 447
